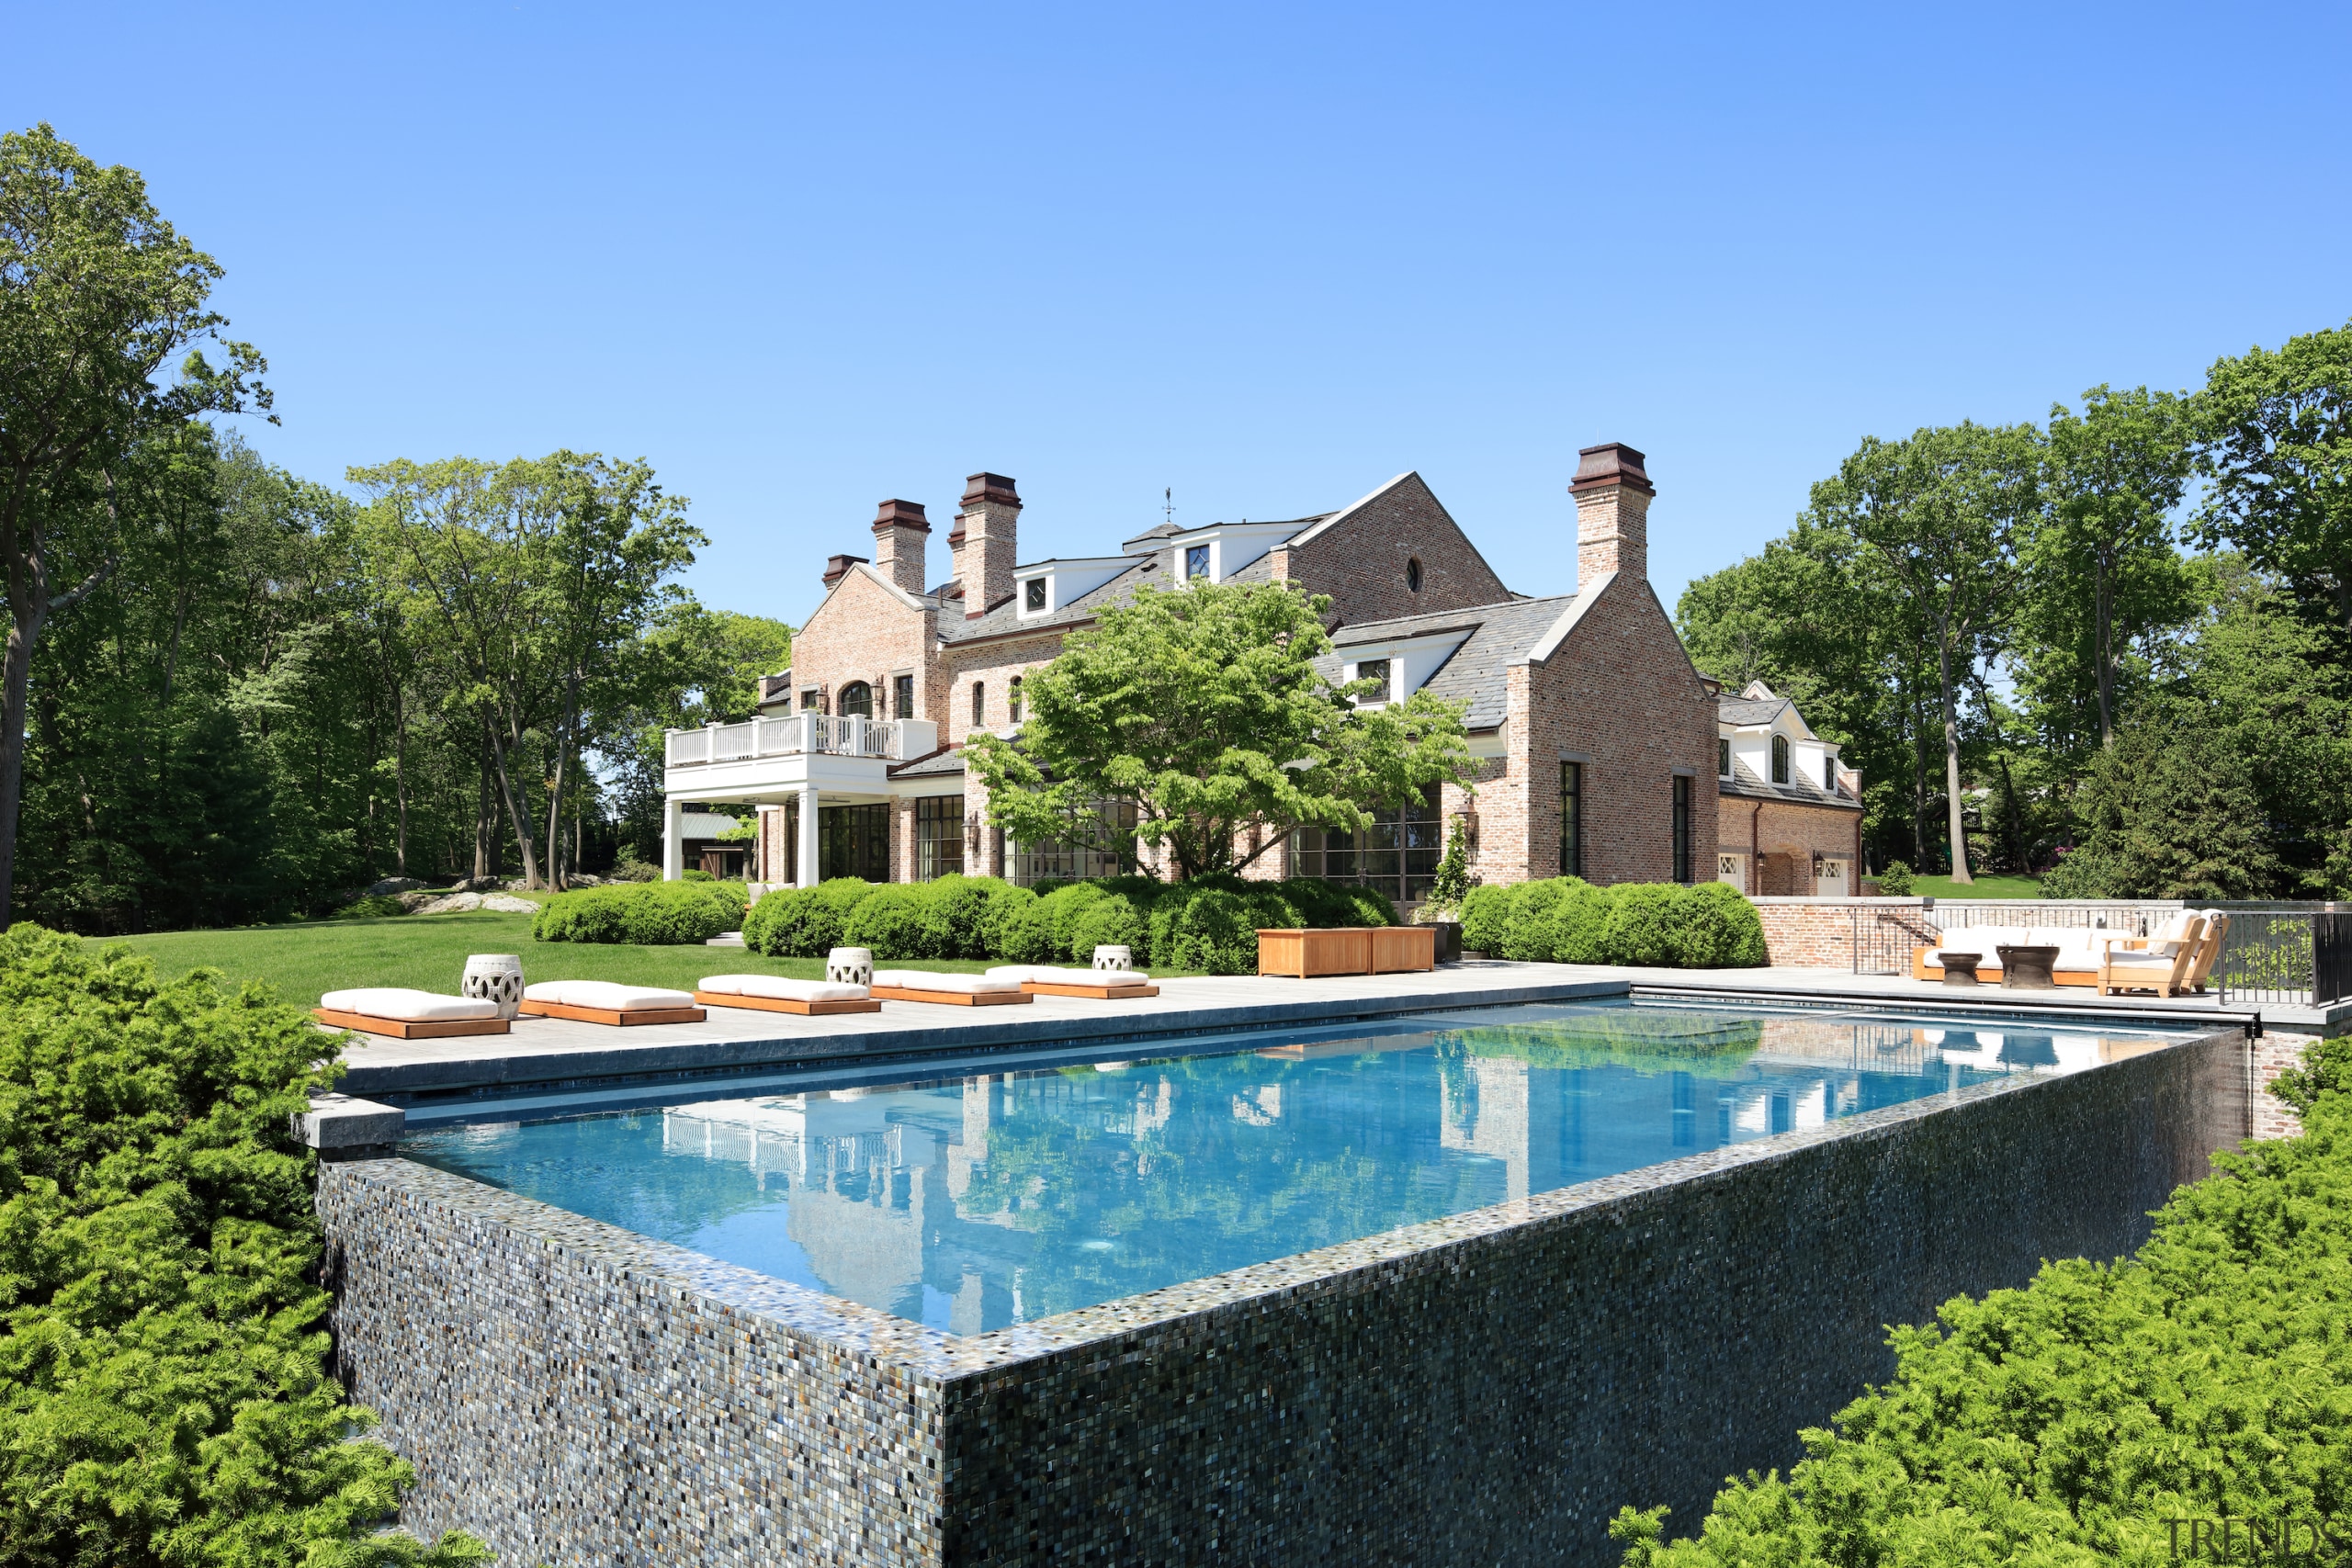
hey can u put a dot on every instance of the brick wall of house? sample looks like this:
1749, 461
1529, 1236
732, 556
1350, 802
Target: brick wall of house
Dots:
1779, 840
865, 632
1620, 696
994, 663
1497, 846
1362, 561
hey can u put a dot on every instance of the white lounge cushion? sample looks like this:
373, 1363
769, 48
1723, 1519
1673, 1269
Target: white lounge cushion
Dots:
2142, 964
407, 1006
608, 995
934, 980
1047, 974
778, 987
2176, 927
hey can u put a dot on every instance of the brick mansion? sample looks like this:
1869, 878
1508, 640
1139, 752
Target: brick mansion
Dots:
1601, 751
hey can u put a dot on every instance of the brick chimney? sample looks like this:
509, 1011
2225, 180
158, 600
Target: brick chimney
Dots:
956, 555
991, 511
837, 568
900, 535
1612, 495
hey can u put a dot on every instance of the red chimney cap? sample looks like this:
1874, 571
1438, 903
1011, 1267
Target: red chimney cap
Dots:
990, 487
901, 515
837, 567
1611, 463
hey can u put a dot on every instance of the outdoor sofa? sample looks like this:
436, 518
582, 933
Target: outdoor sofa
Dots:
2084, 953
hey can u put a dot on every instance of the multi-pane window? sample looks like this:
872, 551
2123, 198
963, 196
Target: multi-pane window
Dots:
1012, 700
1196, 561
1682, 828
1829, 774
851, 841
857, 698
1374, 669
1723, 758
902, 696
1572, 819
1780, 759
1052, 858
980, 703
939, 836
811, 700
1398, 854
1032, 593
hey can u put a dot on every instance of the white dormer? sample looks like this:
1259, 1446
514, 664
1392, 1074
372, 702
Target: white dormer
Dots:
1051, 585
1782, 749
1219, 550
1410, 661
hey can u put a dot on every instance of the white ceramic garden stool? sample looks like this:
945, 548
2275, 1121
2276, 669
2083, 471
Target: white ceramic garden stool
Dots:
850, 967
1110, 955
495, 977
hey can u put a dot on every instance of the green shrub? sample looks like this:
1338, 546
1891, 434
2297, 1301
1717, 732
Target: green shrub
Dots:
1026, 936
1116, 919
1721, 932
163, 1395
1060, 910
1646, 922
895, 921
374, 906
1486, 919
1577, 929
1894, 881
1007, 905
955, 916
1208, 928
658, 914
2208, 1375
695, 874
1527, 934
804, 922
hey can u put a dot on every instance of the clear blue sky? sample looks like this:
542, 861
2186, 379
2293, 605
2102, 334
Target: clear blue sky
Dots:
805, 258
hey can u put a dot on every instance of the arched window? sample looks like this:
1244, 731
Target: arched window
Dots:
857, 697
1413, 574
1013, 699
1780, 759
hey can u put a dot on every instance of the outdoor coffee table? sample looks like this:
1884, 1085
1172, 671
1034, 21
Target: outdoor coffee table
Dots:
1960, 968
2027, 968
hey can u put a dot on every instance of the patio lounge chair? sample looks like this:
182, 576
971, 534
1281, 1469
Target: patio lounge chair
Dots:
607, 1001
2161, 966
1098, 985
2217, 932
773, 993
953, 990
403, 1014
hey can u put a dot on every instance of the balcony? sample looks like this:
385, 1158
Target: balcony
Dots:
770, 758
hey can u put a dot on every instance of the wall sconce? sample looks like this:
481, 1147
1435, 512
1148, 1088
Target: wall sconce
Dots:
1470, 828
972, 833
1816, 865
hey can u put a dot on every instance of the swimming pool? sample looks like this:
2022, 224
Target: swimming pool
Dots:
991, 1198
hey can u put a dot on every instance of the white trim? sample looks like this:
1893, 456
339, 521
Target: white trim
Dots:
1316, 531
1587, 595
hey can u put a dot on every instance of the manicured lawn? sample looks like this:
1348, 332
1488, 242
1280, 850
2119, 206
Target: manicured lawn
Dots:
1983, 887
429, 951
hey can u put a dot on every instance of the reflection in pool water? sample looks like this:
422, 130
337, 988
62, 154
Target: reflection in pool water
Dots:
976, 1203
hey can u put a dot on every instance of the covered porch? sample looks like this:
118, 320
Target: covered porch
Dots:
812, 764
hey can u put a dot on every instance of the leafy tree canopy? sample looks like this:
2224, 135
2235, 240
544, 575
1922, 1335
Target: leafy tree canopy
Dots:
2171, 812
1202, 710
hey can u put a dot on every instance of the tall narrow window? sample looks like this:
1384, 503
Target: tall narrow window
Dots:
1780, 759
1196, 561
1723, 758
1413, 575
939, 836
1681, 828
980, 703
1829, 774
1012, 700
1572, 819
902, 696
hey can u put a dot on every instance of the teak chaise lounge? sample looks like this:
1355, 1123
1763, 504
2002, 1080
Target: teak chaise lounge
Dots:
774, 993
400, 1014
605, 1001
1096, 984
2164, 965
954, 990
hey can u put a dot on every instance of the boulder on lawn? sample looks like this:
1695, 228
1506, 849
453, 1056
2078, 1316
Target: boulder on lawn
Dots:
507, 905
450, 903
392, 887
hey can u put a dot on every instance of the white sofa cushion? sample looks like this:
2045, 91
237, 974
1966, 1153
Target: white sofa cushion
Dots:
609, 995
1047, 974
934, 980
405, 1005
782, 988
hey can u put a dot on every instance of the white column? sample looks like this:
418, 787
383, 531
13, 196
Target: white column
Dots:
673, 841
808, 836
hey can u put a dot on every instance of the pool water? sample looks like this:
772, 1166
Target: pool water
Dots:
972, 1203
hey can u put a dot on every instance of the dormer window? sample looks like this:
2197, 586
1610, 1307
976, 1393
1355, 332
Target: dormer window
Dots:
1033, 594
1829, 774
1196, 561
1374, 669
1722, 756
1780, 759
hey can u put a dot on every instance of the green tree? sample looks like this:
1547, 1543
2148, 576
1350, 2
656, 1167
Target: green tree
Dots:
1201, 709
2170, 811
2277, 452
98, 294
1942, 512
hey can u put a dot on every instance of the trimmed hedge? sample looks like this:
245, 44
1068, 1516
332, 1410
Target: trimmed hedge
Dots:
653, 914
2208, 1376
164, 1396
1210, 924
1653, 924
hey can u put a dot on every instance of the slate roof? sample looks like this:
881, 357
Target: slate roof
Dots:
1798, 791
1502, 635
1159, 568
1750, 710
945, 763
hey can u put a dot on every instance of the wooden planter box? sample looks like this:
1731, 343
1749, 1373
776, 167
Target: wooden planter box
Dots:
1346, 950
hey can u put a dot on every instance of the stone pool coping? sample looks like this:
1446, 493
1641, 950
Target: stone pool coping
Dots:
936, 1355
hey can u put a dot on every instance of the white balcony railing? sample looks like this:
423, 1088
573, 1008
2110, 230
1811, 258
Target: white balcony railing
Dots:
802, 732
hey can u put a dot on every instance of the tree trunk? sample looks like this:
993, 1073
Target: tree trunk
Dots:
483, 821
27, 614
2103, 612
400, 787
1960, 872
522, 837
562, 771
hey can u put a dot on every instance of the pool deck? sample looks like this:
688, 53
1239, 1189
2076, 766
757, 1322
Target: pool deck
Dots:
552, 1051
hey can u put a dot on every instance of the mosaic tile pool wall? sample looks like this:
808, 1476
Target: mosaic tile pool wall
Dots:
1487, 1388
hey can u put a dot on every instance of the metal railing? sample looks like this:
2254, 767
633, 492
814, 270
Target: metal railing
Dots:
837, 735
